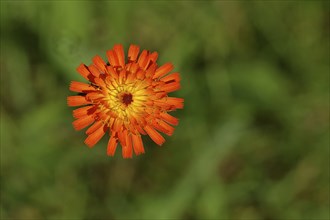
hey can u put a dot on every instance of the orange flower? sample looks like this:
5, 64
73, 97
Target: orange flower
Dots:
125, 98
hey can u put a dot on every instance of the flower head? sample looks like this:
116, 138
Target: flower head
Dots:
126, 98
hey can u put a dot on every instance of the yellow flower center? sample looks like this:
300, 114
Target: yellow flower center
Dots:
125, 100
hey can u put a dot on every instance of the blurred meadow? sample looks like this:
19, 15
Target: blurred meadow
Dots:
253, 137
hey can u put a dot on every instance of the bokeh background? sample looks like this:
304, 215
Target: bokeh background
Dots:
253, 138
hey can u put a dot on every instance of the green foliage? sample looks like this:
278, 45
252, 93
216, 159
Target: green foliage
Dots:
253, 138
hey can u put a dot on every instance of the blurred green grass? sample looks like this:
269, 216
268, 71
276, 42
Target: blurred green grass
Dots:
253, 138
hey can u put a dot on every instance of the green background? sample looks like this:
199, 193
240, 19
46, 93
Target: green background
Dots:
253, 138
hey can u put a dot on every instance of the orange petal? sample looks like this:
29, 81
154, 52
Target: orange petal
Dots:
171, 87
160, 95
140, 130
112, 72
151, 61
83, 122
163, 70
154, 135
171, 77
96, 136
77, 100
151, 70
118, 48
82, 69
113, 59
112, 145
131, 127
80, 87
133, 52
169, 103
127, 150
131, 77
99, 63
94, 127
153, 57
137, 144
167, 127
83, 111
117, 125
92, 68
122, 76
163, 127
140, 74
176, 102
143, 59
100, 82
137, 125
122, 137
151, 111
133, 67
169, 118
103, 115
93, 96
158, 127
162, 104
110, 122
